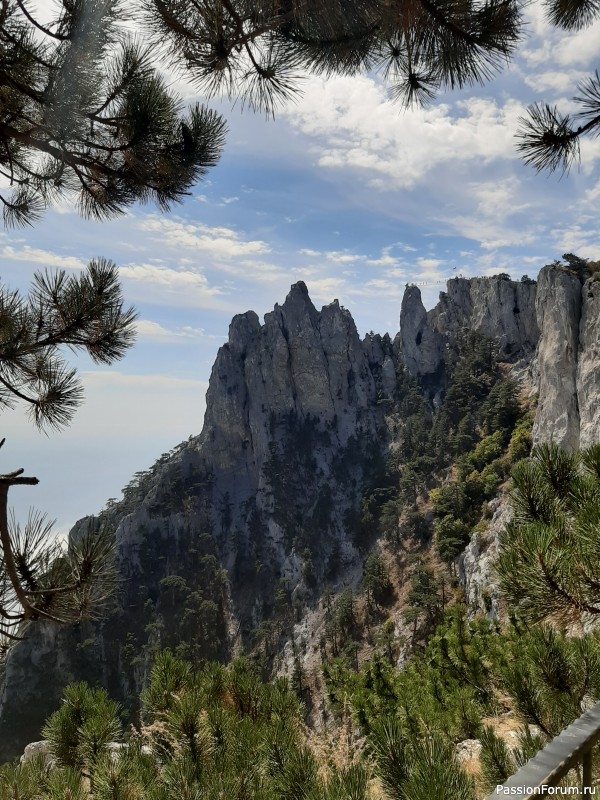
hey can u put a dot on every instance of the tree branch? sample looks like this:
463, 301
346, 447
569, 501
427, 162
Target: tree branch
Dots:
40, 27
9, 561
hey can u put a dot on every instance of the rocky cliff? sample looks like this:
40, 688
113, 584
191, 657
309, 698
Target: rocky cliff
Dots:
498, 308
549, 331
230, 539
242, 524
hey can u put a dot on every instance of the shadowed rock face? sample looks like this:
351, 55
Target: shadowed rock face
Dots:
552, 327
566, 369
588, 366
268, 493
501, 309
423, 346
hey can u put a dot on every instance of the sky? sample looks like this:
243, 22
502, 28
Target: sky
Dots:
343, 190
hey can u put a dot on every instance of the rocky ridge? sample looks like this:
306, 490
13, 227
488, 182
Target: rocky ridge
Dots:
549, 331
245, 524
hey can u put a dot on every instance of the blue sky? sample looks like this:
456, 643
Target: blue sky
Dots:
344, 191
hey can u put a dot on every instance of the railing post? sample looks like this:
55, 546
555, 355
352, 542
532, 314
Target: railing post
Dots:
587, 770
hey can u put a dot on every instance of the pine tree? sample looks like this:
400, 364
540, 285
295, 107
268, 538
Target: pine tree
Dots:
83, 112
79, 312
549, 553
258, 49
548, 138
80, 730
425, 602
39, 579
376, 581
417, 769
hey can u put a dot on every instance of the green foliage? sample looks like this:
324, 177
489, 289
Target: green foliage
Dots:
86, 114
376, 580
416, 526
417, 769
467, 653
217, 733
473, 429
551, 677
457, 505
168, 679
444, 694
82, 312
452, 538
40, 579
425, 599
581, 267
447, 688
520, 443
548, 559
79, 731
345, 614
497, 762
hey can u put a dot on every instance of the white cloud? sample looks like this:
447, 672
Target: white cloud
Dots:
341, 257
380, 287
217, 242
490, 234
396, 273
580, 48
562, 82
429, 263
407, 248
575, 239
354, 125
33, 255
254, 270
170, 287
593, 193
384, 260
154, 332
499, 199
324, 290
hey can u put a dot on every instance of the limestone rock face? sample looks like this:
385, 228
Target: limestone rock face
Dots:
302, 380
300, 362
468, 752
588, 366
549, 332
496, 307
35, 749
476, 563
558, 308
422, 345
265, 499
253, 517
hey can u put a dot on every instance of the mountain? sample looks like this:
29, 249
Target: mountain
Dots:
229, 542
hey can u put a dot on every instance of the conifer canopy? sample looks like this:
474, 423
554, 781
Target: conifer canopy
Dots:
84, 110
39, 579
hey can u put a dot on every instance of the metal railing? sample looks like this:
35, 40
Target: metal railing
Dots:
540, 774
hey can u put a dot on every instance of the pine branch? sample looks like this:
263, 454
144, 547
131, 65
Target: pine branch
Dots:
39, 26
